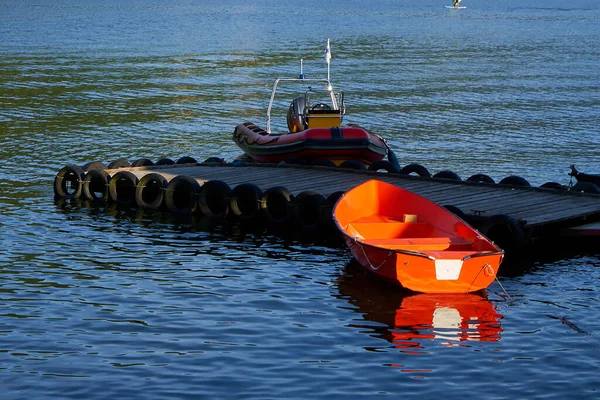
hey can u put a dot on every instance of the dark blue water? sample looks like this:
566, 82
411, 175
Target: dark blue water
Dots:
99, 302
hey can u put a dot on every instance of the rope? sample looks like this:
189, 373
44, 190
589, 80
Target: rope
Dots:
474, 279
367, 257
504, 290
495, 277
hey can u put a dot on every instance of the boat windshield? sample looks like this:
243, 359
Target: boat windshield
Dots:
317, 92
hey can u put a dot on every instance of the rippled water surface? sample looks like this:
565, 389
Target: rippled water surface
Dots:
101, 302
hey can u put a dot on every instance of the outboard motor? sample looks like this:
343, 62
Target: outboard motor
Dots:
296, 116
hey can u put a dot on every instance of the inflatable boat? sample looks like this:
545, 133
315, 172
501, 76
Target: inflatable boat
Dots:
315, 133
335, 144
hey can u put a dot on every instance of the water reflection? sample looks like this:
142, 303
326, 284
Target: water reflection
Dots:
409, 320
106, 215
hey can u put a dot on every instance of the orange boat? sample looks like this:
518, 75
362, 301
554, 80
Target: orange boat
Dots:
413, 242
315, 133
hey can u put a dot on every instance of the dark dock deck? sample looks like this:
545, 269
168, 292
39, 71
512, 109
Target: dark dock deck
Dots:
540, 212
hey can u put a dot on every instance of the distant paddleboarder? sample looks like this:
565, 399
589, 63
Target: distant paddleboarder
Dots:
456, 5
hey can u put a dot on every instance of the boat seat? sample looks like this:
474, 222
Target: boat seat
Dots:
426, 243
434, 243
377, 218
324, 118
392, 230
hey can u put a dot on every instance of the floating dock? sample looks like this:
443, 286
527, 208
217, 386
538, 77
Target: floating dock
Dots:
515, 217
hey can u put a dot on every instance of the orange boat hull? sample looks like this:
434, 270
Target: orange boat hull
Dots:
414, 242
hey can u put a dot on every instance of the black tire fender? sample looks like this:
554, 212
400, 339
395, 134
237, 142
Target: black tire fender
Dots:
415, 169
554, 186
275, 204
165, 161
122, 186
447, 174
385, 166
150, 191
214, 198
482, 178
353, 164
308, 209
68, 182
181, 194
93, 165
586, 187
245, 201
120, 163
95, 185
515, 180
330, 203
505, 231
142, 162
186, 160
214, 160
332, 198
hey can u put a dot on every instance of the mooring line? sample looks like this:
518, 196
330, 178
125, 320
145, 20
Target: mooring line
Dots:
504, 290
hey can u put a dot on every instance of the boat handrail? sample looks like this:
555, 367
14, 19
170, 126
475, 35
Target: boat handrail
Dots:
329, 88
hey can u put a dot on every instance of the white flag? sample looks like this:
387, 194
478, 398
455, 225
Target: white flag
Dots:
328, 53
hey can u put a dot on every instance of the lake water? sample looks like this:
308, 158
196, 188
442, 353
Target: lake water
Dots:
99, 302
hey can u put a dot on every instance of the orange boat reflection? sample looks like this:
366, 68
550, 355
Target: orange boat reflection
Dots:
450, 318
411, 319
